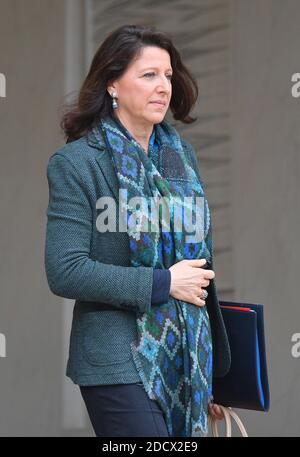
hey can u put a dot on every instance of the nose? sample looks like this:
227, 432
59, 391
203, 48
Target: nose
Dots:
164, 85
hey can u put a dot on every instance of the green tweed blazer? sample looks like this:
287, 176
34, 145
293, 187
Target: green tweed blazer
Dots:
94, 269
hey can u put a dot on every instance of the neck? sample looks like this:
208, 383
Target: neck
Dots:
141, 132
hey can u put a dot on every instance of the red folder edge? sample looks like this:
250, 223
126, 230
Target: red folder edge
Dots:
236, 307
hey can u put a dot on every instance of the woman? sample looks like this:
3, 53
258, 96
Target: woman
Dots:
144, 342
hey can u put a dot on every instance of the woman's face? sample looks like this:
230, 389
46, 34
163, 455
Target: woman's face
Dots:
146, 80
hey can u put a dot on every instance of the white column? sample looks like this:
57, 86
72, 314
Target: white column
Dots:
74, 414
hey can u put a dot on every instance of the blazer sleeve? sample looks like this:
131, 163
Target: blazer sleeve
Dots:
71, 273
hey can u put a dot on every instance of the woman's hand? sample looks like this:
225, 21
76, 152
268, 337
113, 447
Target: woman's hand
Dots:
215, 411
188, 280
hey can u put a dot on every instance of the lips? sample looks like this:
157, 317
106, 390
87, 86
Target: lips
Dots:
159, 102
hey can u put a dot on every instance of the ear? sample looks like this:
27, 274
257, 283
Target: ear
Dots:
112, 88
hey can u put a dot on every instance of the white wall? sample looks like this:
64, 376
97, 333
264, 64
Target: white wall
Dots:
262, 264
265, 176
32, 59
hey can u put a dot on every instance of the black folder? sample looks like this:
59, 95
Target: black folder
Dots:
246, 384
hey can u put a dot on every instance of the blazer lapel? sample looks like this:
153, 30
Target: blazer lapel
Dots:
104, 161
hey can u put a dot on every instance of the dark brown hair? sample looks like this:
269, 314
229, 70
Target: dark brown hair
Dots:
111, 60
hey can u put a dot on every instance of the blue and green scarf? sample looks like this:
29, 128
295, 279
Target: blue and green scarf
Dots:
173, 351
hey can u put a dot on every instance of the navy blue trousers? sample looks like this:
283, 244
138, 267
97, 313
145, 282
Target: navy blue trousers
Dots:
123, 410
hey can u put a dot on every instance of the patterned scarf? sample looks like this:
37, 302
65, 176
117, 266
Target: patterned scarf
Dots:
173, 351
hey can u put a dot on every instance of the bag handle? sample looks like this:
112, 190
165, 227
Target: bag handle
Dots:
228, 414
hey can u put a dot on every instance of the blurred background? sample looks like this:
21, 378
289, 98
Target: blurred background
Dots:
247, 138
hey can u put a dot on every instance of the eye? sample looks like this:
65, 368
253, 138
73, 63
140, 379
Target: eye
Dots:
153, 74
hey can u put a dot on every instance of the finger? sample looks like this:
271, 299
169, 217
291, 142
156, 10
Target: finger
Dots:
213, 414
200, 291
209, 274
198, 301
218, 412
197, 262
